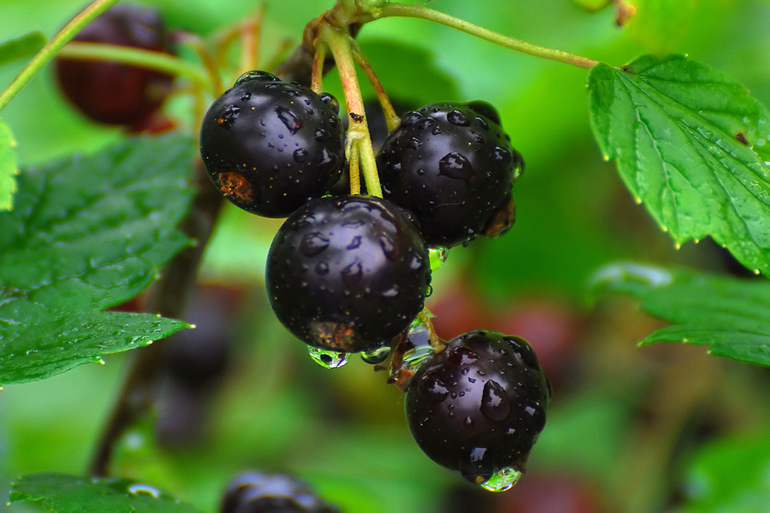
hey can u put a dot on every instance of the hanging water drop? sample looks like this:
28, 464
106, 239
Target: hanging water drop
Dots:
327, 359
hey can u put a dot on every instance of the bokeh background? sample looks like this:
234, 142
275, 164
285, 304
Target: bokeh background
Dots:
661, 428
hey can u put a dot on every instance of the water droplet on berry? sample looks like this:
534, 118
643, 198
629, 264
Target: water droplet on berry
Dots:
432, 389
300, 155
535, 417
353, 273
331, 101
256, 75
245, 96
495, 403
292, 122
462, 356
410, 118
229, 115
455, 165
388, 247
437, 257
391, 292
313, 243
327, 359
457, 118
321, 135
354, 243
376, 356
416, 263
322, 268
414, 143
502, 480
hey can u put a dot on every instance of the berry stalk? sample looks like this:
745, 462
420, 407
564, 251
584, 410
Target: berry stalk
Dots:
391, 118
52, 48
358, 129
135, 56
419, 11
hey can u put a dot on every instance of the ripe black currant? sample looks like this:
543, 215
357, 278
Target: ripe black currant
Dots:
111, 93
254, 492
452, 166
270, 146
479, 406
347, 273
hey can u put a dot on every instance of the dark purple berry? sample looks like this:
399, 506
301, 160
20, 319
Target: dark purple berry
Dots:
478, 406
452, 166
270, 146
254, 492
111, 93
347, 273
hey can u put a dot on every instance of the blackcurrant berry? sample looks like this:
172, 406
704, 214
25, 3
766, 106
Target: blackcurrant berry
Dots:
111, 93
270, 146
254, 492
452, 166
479, 405
347, 273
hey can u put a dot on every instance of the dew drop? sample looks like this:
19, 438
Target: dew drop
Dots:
416, 263
355, 243
495, 403
300, 155
353, 273
327, 359
313, 243
391, 292
437, 257
410, 118
331, 101
502, 480
462, 356
388, 247
292, 122
229, 115
455, 165
376, 356
457, 118
145, 490
432, 389
322, 268
321, 135
414, 143
256, 75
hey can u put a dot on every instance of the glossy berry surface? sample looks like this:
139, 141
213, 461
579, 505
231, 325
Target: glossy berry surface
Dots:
452, 166
270, 146
254, 492
111, 93
478, 406
347, 273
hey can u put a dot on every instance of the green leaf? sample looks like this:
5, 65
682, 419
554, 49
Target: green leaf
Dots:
690, 143
729, 475
660, 24
8, 169
61, 493
730, 315
85, 235
21, 47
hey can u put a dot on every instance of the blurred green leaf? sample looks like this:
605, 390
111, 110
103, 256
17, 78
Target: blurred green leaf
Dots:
729, 475
21, 47
684, 137
60, 493
659, 24
88, 234
730, 315
592, 5
8, 169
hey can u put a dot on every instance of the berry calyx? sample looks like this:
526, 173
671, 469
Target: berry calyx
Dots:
269, 146
452, 166
347, 273
112, 93
478, 406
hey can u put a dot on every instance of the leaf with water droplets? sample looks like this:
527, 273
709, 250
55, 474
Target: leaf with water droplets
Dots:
8, 170
730, 315
690, 144
85, 235
61, 493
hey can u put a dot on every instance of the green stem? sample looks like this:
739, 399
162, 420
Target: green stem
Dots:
52, 48
418, 11
358, 130
135, 56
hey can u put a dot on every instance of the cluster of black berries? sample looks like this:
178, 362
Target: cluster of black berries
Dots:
350, 273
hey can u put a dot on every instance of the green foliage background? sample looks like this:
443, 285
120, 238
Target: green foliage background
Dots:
344, 430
